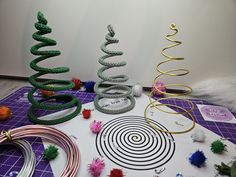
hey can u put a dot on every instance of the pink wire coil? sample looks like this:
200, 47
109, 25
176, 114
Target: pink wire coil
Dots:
55, 136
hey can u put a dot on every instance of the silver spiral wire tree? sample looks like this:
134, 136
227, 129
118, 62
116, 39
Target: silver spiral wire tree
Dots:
121, 91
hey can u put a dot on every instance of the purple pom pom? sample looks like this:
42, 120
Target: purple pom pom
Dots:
89, 86
197, 158
157, 87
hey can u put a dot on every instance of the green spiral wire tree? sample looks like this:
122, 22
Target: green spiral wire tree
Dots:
66, 101
123, 91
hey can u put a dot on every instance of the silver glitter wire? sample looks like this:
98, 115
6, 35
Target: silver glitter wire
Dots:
28, 167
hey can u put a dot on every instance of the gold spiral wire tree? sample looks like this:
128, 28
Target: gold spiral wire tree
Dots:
186, 90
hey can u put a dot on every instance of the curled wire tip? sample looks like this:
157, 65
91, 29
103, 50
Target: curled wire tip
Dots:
111, 30
172, 26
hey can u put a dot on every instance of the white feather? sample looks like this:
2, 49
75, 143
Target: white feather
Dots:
219, 91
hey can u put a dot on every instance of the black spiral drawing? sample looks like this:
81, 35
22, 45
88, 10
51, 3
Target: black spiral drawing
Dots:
130, 142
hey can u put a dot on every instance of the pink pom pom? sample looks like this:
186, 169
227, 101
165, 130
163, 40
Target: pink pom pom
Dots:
96, 167
158, 86
96, 126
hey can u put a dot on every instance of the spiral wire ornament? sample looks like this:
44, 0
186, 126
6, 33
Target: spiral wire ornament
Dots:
55, 136
171, 72
125, 91
28, 155
70, 100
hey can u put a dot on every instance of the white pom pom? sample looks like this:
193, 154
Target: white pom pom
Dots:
198, 135
137, 90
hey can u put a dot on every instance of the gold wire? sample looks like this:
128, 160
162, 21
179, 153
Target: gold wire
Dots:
171, 72
7, 134
148, 120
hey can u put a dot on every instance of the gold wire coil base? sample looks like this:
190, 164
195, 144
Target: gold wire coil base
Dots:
172, 96
148, 120
186, 111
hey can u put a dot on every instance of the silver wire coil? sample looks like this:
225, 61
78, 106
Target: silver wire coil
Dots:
28, 167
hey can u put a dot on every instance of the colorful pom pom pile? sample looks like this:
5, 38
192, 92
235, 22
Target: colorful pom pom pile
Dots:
197, 159
96, 167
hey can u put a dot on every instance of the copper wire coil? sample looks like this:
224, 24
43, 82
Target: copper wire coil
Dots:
29, 164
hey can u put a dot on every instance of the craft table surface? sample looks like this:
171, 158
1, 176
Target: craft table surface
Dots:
11, 159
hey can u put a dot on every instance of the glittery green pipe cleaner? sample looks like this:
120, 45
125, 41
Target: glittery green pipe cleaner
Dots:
69, 101
121, 91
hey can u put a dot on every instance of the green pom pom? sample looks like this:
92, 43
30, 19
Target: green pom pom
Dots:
50, 152
218, 147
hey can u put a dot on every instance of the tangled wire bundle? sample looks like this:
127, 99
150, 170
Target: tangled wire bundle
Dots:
29, 157
70, 100
171, 72
53, 135
123, 91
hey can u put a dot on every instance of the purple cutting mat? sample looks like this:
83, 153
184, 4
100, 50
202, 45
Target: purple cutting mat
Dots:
11, 159
226, 130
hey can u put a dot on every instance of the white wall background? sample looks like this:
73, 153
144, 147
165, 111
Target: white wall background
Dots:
206, 27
